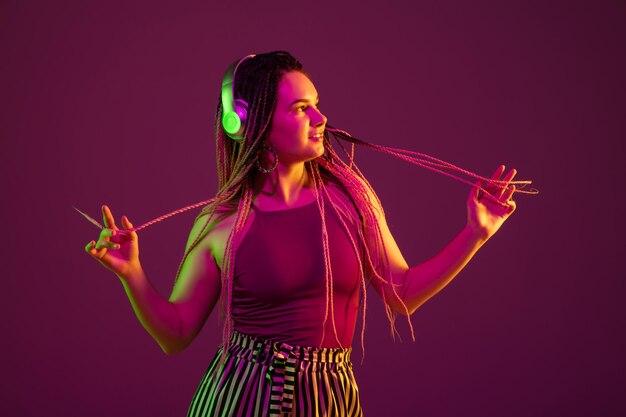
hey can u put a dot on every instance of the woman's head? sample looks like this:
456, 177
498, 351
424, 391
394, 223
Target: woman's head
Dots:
257, 82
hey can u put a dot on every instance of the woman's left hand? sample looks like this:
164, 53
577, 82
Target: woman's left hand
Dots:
484, 216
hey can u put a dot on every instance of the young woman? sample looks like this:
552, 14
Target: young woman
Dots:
290, 243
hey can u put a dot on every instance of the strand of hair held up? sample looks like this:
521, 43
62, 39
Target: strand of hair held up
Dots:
416, 158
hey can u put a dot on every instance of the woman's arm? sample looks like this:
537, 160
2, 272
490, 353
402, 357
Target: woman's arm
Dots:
199, 284
417, 284
174, 323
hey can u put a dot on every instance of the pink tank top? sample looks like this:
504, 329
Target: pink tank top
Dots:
279, 288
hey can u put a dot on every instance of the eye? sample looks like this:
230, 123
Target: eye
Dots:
304, 107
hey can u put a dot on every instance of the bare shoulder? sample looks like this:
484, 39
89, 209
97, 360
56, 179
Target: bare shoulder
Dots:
213, 231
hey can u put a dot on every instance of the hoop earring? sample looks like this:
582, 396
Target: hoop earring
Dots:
258, 161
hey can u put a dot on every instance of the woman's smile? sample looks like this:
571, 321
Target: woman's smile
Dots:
317, 137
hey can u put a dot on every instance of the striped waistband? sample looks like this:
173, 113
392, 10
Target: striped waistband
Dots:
260, 350
283, 361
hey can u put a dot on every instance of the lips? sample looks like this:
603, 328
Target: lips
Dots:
317, 136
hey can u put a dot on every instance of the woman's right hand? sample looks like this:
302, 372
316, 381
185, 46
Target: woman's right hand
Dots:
117, 250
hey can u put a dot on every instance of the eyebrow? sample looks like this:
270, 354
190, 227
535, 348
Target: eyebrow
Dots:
302, 100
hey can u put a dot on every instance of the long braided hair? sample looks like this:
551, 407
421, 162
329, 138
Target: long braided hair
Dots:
257, 83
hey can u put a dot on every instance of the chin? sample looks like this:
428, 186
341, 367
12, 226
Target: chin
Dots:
312, 153
319, 153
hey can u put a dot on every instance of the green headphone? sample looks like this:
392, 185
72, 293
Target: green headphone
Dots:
234, 112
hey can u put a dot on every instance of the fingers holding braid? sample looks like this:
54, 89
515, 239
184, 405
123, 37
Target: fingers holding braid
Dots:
507, 191
116, 249
500, 192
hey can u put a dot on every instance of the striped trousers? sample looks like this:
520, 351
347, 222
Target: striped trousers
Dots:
264, 378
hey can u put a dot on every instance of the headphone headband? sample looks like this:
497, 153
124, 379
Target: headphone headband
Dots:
234, 111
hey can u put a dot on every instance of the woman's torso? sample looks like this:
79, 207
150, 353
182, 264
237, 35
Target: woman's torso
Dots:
280, 287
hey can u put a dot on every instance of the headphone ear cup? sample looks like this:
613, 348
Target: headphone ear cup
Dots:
234, 121
231, 123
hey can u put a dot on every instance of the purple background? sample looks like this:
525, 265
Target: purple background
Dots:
114, 103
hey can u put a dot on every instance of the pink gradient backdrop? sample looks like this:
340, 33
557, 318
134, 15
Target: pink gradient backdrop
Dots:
114, 103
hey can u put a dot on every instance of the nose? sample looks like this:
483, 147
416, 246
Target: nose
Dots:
318, 118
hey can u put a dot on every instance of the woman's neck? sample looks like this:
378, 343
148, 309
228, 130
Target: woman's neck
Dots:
285, 186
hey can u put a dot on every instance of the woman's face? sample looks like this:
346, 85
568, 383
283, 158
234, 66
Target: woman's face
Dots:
296, 132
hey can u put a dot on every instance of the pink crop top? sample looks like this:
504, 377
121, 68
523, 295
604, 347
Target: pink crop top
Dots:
279, 288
